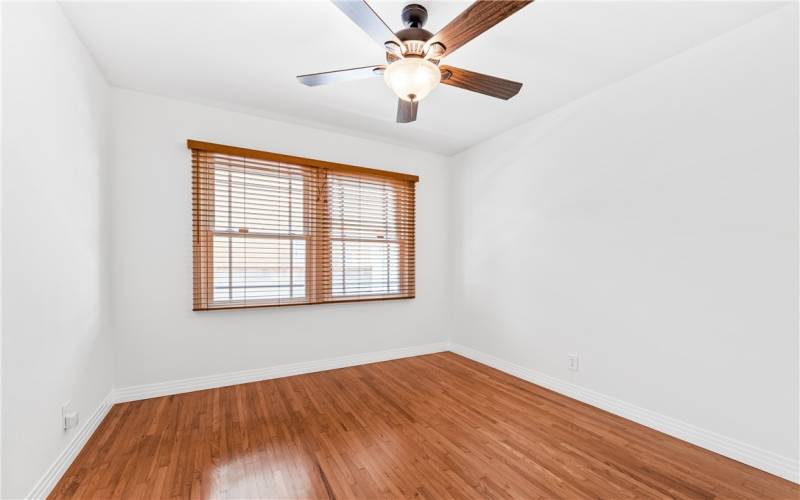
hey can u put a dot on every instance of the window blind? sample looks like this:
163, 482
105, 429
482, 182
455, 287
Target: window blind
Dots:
272, 229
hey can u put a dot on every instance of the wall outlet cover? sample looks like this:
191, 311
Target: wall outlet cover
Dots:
69, 417
70, 420
573, 362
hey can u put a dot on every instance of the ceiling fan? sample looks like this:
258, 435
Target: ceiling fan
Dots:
413, 54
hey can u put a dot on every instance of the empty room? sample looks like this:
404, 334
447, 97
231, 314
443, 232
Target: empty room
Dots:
430, 249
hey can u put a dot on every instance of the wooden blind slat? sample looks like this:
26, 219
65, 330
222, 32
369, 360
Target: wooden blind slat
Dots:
272, 229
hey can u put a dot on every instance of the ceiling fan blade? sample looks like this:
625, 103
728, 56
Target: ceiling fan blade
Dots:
342, 75
477, 18
406, 111
362, 14
478, 82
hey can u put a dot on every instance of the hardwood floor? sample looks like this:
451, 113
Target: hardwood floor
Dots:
436, 426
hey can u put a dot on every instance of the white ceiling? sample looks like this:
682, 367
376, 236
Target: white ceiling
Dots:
244, 56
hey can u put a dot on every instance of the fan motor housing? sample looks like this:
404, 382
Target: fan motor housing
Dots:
414, 36
410, 34
414, 40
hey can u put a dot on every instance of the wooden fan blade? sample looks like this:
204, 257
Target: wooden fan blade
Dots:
478, 82
406, 111
477, 18
342, 75
362, 14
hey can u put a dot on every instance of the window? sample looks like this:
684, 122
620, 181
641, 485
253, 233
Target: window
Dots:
272, 229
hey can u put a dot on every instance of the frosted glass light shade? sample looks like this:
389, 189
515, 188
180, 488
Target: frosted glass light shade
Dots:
412, 78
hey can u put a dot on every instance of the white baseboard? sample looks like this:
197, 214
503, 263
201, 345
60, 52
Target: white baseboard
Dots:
46, 484
751, 455
50, 478
146, 391
773, 463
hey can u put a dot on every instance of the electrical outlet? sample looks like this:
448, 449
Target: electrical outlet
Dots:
572, 362
69, 417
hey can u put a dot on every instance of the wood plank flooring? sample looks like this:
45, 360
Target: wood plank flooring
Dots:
435, 426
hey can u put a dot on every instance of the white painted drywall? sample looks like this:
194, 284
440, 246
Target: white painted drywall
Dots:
56, 342
652, 228
157, 336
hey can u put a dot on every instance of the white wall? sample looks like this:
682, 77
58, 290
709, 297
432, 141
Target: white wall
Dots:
651, 228
56, 344
157, 336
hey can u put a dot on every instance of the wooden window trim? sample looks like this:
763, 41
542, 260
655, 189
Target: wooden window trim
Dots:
318, 239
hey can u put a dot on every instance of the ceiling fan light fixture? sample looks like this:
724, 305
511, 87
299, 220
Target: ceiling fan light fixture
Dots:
412, 78
413, 54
